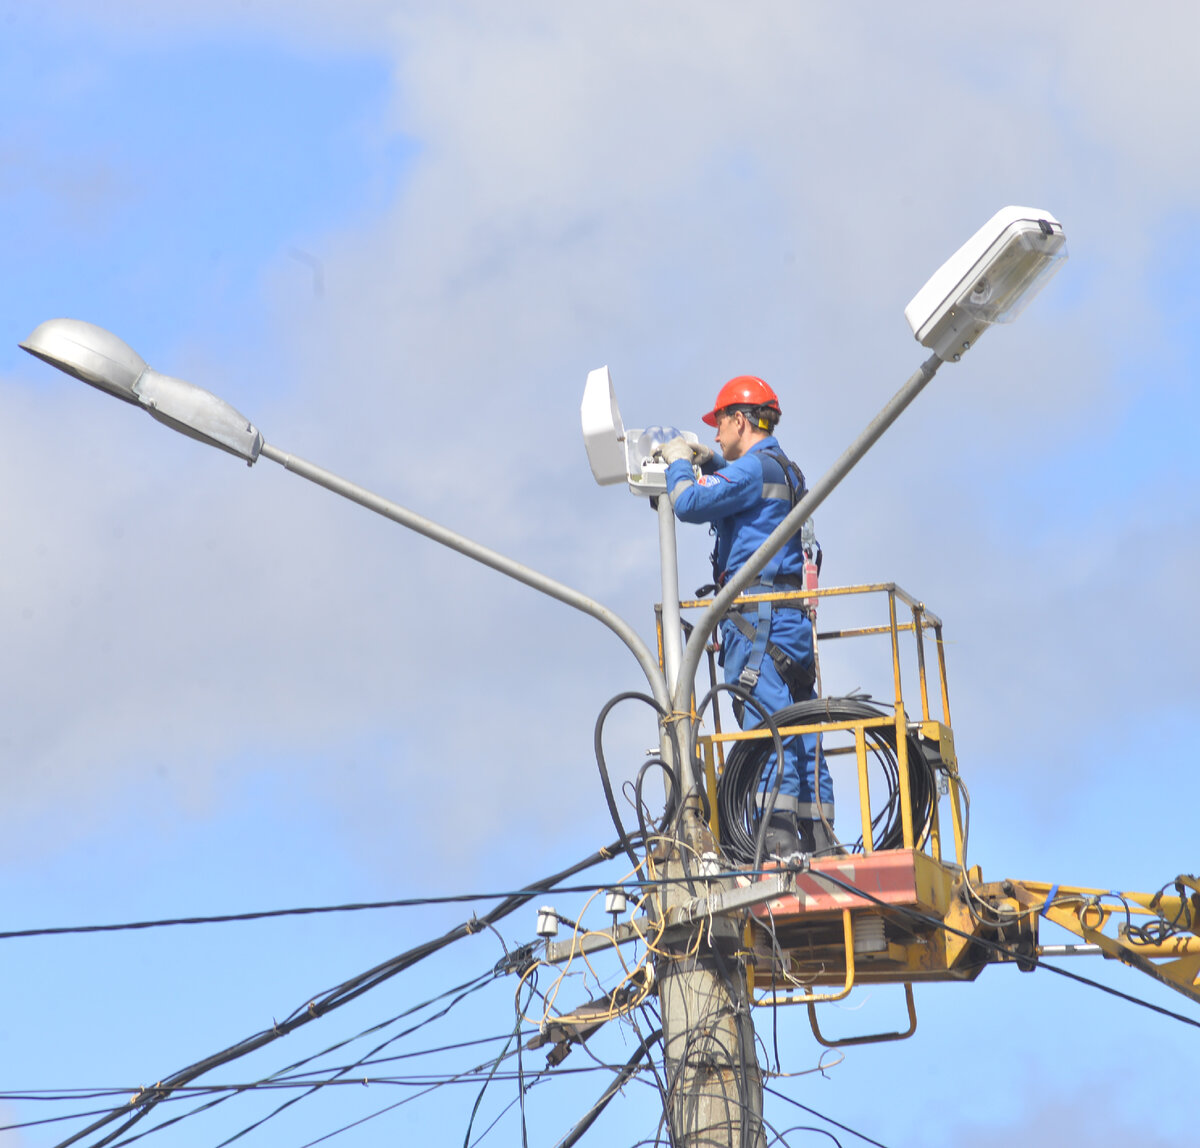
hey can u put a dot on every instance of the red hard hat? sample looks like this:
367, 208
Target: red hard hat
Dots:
744, 391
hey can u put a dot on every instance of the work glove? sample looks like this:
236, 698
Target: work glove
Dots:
702, 454
676, 449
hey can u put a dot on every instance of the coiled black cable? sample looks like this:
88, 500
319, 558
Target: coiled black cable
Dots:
610, 798
737, 790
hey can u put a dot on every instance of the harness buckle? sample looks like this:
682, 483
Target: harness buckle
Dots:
748, 679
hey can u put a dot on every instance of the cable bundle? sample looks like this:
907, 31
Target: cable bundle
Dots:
738, 787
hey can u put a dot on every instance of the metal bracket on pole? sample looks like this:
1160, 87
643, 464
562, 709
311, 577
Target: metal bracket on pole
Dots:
734, 900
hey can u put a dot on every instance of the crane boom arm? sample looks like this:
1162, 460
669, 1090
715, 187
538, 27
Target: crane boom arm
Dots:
1158, 934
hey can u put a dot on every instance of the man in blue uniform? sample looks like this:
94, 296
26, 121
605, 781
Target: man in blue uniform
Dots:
767, 648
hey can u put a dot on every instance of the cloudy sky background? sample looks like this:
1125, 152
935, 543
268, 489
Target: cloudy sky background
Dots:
397, 237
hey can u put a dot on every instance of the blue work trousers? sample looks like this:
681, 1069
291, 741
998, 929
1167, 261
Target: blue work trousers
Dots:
791, 631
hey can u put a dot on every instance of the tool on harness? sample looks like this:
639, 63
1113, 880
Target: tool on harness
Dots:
812, 564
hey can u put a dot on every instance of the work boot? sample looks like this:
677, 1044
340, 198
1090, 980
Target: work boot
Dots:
782, 837
817, 840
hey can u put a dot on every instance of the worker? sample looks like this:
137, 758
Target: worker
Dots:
767, 648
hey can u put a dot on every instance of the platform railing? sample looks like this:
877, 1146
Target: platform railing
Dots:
908, 626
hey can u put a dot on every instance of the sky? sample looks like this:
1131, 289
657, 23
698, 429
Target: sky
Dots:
397, 237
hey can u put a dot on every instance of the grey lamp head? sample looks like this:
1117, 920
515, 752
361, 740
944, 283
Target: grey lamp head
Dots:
89, 353
99, 358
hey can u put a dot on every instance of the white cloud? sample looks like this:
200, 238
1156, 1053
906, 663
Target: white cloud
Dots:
682, 191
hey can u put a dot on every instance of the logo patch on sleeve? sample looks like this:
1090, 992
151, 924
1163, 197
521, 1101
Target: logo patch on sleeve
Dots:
709, 479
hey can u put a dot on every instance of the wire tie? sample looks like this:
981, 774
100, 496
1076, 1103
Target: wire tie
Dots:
474, 925
312, 1008
1048, 901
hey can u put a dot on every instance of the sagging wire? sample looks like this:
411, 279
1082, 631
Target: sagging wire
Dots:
135, 1111
262, 915
467, 989
778, 1137
821, 1116
311, 1086
822, 1066
602, 766
618, 1082
520, 1069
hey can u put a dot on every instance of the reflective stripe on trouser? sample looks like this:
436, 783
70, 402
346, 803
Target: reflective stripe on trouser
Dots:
786, 804
791, 631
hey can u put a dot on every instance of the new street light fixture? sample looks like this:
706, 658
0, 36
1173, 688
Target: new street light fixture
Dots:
988, 280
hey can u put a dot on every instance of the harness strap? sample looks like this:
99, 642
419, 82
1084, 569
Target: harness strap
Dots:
748, 678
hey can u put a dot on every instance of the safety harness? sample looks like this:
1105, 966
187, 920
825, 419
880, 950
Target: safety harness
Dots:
798, 678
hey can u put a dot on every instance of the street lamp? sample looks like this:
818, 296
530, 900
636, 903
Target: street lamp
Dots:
107, 363
102, 360
990, 279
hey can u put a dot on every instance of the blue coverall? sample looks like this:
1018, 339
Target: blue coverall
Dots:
745, 500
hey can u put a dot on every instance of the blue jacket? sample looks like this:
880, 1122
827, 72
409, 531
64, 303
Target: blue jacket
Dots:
744, 500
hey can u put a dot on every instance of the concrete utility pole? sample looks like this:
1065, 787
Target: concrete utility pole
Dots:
714, 1084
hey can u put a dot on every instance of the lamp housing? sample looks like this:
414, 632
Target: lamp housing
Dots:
100, 359
989, 279
616, 454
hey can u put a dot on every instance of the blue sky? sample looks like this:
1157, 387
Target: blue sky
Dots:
398, 238
162, 180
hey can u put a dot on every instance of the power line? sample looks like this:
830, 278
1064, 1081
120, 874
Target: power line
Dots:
138, 1108
311, 910
350, 907
821, 1116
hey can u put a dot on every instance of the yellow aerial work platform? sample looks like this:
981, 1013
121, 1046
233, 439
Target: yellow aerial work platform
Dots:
911, 910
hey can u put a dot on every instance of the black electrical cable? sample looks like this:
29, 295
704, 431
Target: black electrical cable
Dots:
326, 1002
738, 787
495, 1120
463, 991
598, 745
765, 719
639, 804
225, 918
310, 1086
515, 1034
779, 1136
1160, 931
821, 1116
521, 1088
618, 1082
